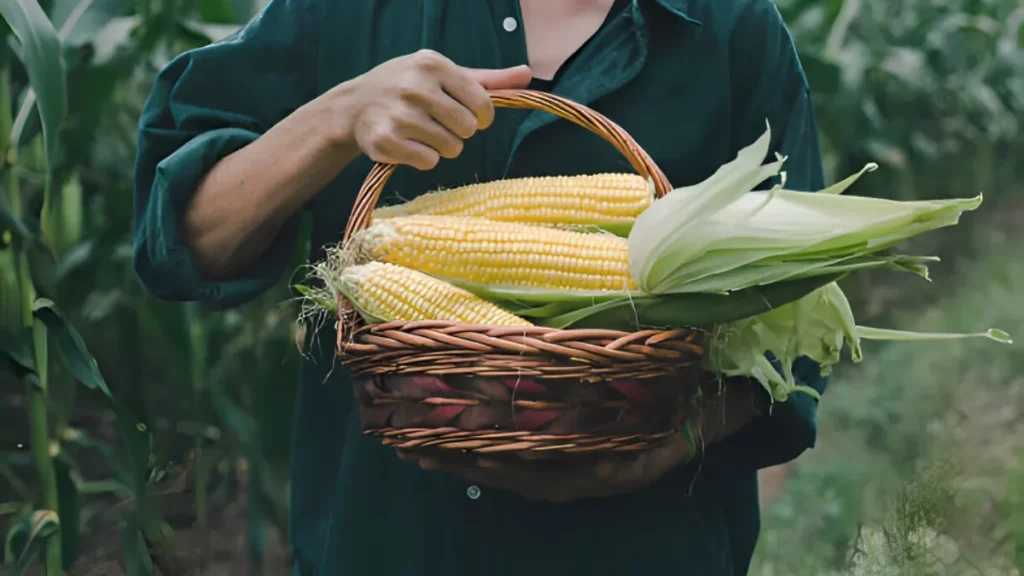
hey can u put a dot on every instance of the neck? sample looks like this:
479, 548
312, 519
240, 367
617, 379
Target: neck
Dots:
556, 29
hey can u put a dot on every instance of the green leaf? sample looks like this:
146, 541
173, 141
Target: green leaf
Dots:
67, 509
216, 12
28, 536
823, 75
211, 32
115, 35
83, 366
696, 310
94, 103
167, 325
76, 438
9, 221
17, 536
79, 21
869, 333
14, 346
244, 10
42, 265
630, 311
72, 346
270, 493
41, 54
136, 556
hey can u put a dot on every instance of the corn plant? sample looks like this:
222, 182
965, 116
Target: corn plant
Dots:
41, 55
69, 225
42, 324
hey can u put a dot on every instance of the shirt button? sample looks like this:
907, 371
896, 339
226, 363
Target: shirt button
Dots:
473, 492
509, 24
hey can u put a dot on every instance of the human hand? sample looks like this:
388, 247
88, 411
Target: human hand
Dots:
416, 109
537, 478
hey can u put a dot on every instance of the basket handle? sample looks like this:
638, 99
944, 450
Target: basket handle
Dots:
566, 109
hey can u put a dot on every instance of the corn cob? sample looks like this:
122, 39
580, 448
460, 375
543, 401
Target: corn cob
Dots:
498, 253
391, 292
550, 200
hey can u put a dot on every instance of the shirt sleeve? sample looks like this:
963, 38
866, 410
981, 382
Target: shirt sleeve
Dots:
204, 105
770, 85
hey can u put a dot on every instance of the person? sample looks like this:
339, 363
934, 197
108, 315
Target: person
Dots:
240, 138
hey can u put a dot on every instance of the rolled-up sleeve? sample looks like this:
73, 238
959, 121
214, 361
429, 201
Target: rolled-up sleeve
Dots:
206, 104
772, 86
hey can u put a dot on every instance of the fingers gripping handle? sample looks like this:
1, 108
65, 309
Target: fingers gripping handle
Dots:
578, 114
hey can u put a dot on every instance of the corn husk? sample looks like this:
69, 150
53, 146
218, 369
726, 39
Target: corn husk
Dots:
721, 235
819, 325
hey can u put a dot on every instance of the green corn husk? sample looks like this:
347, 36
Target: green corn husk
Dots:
636, 310
721, 235
819, 325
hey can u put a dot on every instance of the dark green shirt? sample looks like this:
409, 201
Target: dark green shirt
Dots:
692, 80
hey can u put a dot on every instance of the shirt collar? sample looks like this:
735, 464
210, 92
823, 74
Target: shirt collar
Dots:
681, 8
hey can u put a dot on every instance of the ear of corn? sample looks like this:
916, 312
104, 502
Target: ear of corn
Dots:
585, 200
390, 292
498, 253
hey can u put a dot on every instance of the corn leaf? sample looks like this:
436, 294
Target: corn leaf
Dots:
136, 556
26, 538
78, 23
68, 510
10, 221
65, 338
40, 51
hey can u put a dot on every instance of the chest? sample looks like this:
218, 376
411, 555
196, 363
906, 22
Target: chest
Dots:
656, 81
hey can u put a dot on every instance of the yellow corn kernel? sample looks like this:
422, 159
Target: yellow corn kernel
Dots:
551, 200
392, 292
498, 253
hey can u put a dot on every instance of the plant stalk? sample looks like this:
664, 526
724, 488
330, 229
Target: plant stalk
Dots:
202, 478
36, 386
198, 373
42, 446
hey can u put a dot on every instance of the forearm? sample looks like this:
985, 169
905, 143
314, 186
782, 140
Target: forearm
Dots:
241, 204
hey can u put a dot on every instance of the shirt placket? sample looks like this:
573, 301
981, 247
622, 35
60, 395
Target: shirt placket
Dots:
616, 56
507, 20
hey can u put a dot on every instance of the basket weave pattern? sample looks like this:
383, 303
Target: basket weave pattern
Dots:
442, 384
500, 414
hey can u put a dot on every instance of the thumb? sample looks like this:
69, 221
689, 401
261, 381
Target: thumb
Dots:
515, 77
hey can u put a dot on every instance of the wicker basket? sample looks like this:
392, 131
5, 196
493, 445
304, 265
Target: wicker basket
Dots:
432, 385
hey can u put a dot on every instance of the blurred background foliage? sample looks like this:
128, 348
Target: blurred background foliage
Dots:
920, 463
